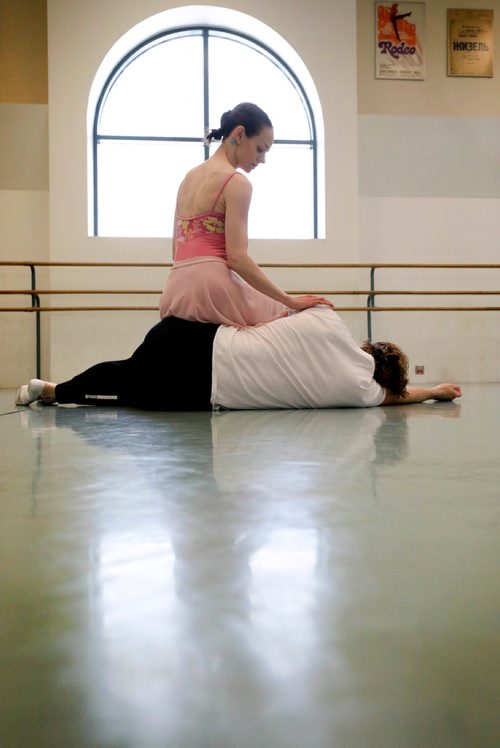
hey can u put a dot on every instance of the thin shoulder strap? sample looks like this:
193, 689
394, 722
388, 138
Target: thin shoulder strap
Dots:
222, 189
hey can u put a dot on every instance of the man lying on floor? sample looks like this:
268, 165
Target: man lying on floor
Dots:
306, 360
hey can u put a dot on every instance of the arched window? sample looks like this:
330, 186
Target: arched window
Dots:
149, 116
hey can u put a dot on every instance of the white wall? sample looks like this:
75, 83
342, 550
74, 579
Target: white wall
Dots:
24, 232
429, 181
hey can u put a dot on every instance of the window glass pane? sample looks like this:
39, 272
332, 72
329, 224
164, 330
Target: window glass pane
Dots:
238, 72
137, 185
159, 93
282, 198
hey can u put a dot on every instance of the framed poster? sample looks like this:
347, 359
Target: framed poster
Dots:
470, 43
399, 53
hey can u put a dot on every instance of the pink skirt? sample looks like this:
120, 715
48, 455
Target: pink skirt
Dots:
204, 289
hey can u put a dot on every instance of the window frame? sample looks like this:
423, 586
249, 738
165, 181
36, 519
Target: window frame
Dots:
204, 30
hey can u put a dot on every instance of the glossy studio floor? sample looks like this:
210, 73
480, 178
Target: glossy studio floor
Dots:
323, 579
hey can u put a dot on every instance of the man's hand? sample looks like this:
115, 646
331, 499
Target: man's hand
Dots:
446, 392
420, 394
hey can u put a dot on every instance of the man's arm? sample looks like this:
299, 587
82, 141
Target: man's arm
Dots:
419, 394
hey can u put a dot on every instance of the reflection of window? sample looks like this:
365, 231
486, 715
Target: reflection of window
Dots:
149, 123
136, 572
283, 596
136, 613
291, 553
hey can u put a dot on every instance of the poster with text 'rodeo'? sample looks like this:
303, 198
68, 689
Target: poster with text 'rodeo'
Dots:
400, 41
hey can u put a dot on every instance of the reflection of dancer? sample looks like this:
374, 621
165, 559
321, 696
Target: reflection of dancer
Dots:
395, 17
307, 360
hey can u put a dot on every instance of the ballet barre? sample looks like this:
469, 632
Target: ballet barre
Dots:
369, 308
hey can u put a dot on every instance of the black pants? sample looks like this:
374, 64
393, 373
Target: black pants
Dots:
171, 370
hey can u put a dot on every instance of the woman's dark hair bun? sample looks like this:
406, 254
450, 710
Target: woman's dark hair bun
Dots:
214, 135
224, 120
250, 116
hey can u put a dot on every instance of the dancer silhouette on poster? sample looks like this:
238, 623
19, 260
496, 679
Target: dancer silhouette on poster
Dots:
395, 17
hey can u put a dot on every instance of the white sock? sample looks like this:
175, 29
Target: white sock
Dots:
30, 392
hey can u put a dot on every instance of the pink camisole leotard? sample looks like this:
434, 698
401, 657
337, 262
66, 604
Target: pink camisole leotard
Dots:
201, 286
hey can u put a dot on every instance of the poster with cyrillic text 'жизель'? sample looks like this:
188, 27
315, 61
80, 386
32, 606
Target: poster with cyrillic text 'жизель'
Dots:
470, 43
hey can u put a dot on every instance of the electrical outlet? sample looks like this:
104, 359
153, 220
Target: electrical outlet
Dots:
419, 369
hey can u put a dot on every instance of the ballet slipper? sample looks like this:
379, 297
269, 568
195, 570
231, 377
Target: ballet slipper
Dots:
31, 392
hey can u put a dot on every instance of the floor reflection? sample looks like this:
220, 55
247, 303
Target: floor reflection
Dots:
224, 556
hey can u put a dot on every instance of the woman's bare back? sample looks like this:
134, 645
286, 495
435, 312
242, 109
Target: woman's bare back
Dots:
200, 188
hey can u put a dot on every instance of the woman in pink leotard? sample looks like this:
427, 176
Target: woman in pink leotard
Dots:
213, 278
